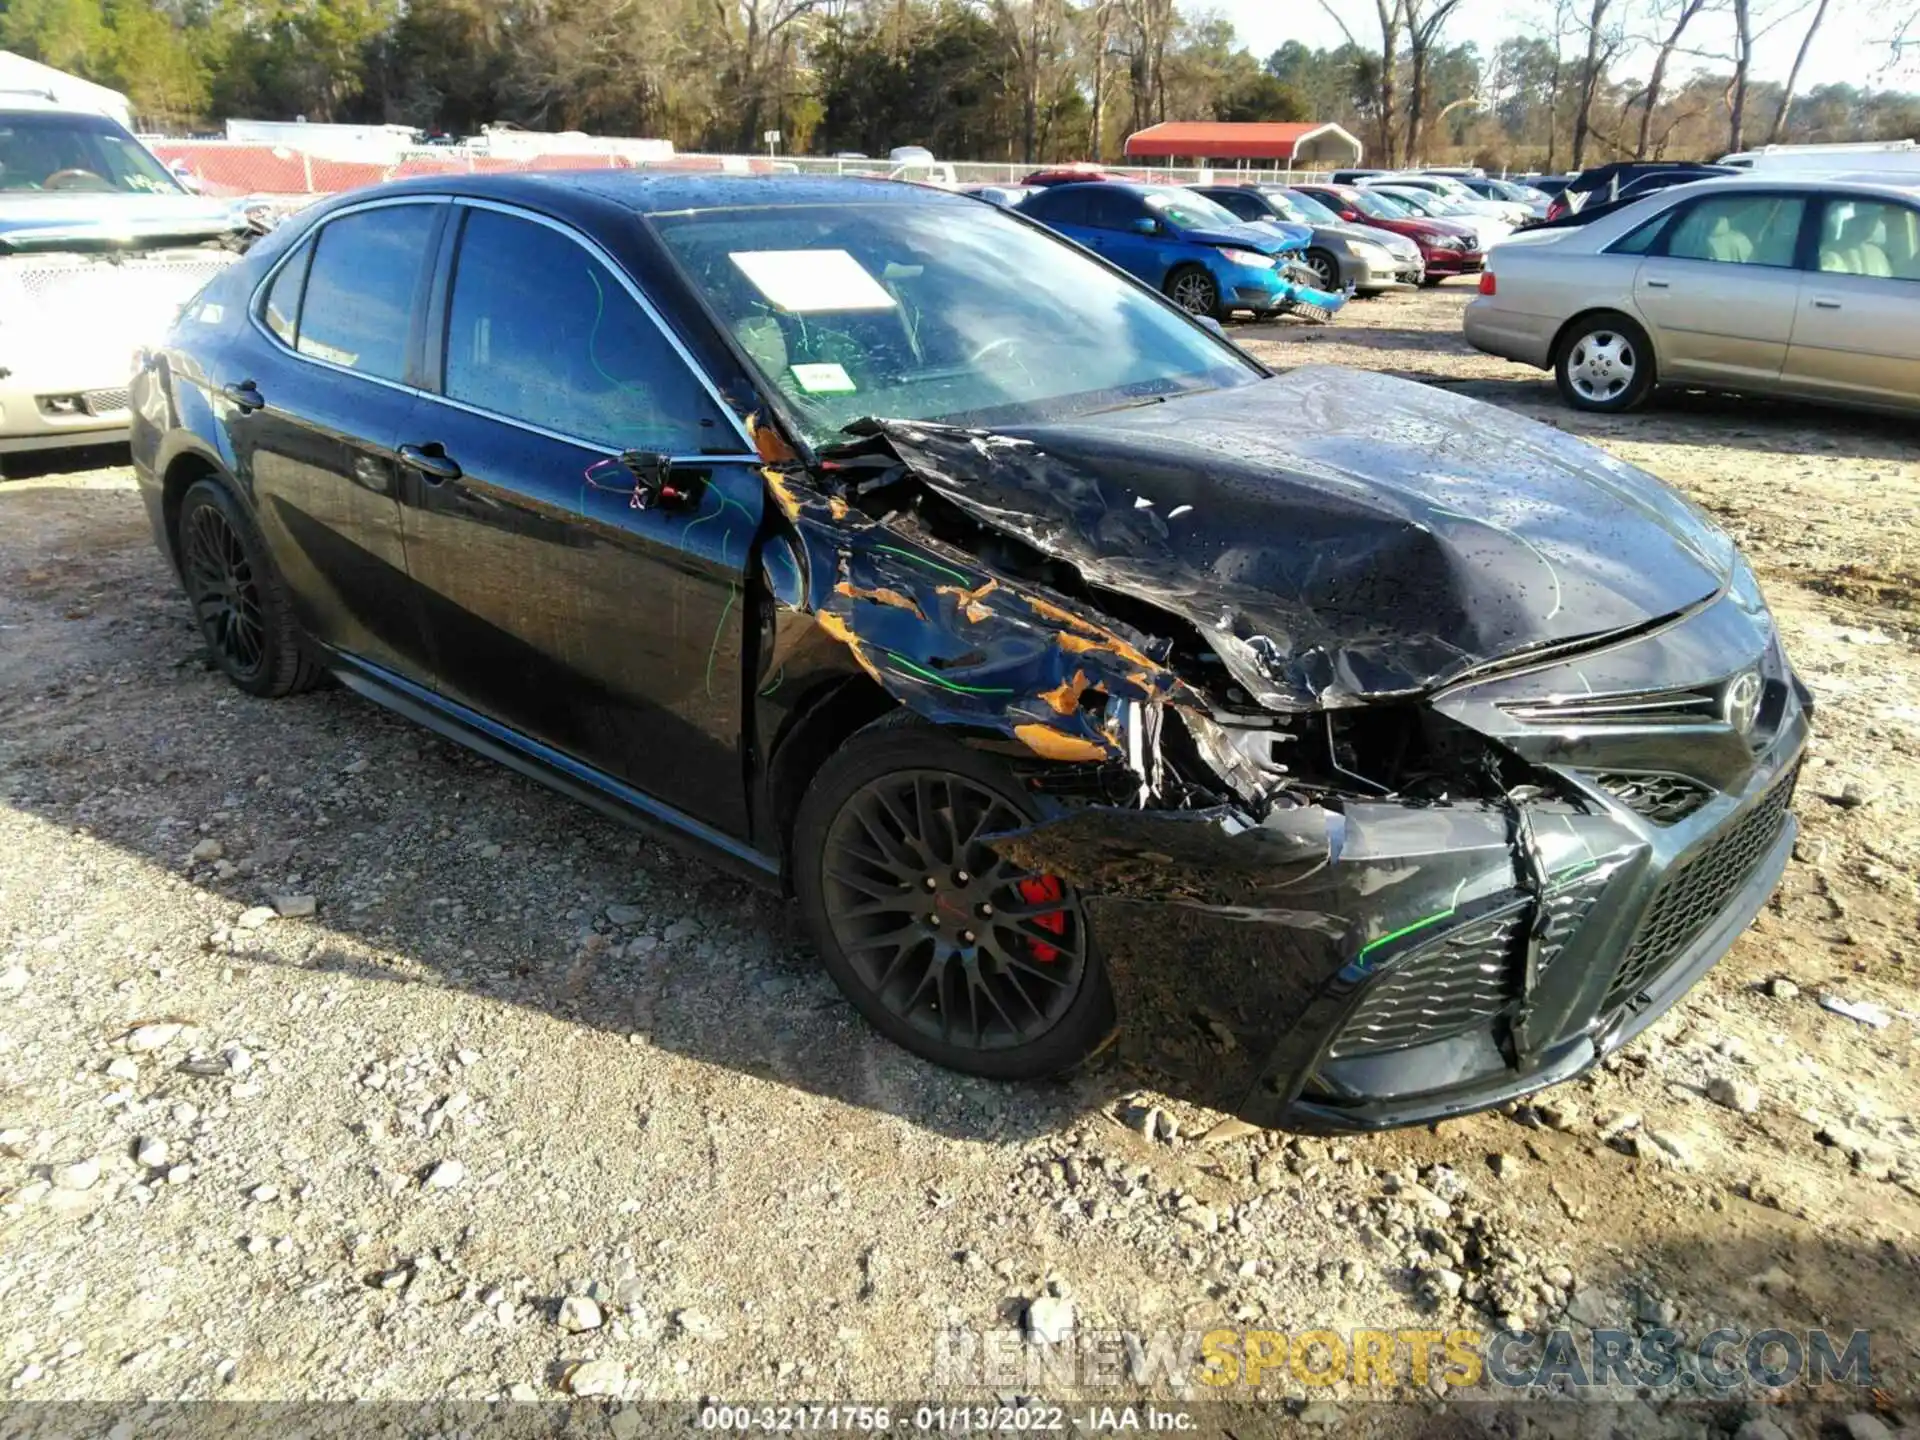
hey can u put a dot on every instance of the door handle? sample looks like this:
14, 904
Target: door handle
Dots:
1826, 304
432, 461
245, 396
1657, 285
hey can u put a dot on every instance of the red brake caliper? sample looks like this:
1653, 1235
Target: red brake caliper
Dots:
1035, 889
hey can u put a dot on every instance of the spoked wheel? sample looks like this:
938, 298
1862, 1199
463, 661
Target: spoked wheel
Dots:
1326, 270
239, 601
946, 947
1195, 291
225, 592
960, 944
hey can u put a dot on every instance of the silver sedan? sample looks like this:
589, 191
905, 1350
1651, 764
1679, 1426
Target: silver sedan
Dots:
1808, 288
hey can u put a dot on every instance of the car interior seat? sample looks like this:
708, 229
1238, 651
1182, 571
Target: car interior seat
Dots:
1727, 244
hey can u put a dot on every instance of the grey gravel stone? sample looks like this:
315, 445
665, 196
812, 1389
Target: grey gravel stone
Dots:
447, 1175
578, 1313
79, 1175
295, 907
151, 1152
1741, 1095
597, 1377
157, 1036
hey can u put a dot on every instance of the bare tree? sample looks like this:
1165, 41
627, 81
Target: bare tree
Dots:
1390, 14
753, 34
1737, 87
1031, 31
1590, 71
1779, 126
1101, 22
1422, 31
1650, 98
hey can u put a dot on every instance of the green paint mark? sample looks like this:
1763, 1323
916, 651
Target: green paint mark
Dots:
934, 678
1420, 924
908, 555
719, 630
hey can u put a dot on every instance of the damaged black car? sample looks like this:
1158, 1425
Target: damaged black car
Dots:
1349, 753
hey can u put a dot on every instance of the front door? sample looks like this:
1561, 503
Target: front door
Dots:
1857, 336
316, 416
612, 633
1720, 298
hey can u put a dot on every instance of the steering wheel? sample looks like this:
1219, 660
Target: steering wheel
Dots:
73, 179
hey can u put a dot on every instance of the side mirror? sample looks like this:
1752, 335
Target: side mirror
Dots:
1146, 225
1212, 324
1350, 216
648, 480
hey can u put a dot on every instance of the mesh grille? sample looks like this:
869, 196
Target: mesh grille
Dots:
1451, 984
105, 402
1568, 902
1699, 890
1662, 799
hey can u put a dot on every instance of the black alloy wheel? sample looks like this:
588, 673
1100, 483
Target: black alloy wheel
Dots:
955, 941
1194, 290
239, 601
944, 946
225, 592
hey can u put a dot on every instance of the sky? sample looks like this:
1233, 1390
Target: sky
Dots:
1850, 47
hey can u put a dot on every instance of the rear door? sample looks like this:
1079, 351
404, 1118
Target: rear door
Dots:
315, 418
558, 607
1720, 285
1857, 335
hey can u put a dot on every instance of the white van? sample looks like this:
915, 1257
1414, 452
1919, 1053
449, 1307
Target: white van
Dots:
1881, 157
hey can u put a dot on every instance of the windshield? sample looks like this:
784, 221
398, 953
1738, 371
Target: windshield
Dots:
937, 312
1304, 208
85, 153
1188, 211
1380, 207
1417, 201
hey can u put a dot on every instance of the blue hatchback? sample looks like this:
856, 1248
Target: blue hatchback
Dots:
1197, 253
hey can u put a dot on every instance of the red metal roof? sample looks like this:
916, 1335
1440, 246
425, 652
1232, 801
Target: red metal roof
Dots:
1222, 140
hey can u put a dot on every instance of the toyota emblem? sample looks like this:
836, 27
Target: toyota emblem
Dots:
1742, 705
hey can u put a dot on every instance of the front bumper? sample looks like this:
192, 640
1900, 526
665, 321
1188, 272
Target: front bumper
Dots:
52, 411
1368, 963
1455, 262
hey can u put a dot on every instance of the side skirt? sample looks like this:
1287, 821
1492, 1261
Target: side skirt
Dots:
572, 778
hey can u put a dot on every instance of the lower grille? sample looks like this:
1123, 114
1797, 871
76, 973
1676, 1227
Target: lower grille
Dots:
1461, 980
105, 402
1695, 894
1662, 799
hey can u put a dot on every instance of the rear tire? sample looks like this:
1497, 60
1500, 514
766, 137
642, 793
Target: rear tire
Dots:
1604, 364
947, 950
1194, 290
238, 598
1429, 282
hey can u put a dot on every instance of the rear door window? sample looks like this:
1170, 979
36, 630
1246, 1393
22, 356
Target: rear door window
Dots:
360, 290
1060, 205
1877, 238
540, 331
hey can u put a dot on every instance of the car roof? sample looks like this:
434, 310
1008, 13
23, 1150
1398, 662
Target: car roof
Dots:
1854, 184
654, 193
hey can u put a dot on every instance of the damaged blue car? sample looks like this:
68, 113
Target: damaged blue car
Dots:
1349, 752
1194, 250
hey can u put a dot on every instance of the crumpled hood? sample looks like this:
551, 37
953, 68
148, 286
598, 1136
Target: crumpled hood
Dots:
1339, 536
1268, 241
45, 220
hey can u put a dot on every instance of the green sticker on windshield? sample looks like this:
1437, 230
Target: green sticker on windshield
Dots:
824, 379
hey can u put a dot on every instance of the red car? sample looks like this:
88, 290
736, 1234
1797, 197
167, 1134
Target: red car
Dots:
1448, 247
1070, 174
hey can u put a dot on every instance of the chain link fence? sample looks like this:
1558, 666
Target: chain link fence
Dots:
230, 168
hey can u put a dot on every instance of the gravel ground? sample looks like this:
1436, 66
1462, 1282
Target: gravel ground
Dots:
337, 1063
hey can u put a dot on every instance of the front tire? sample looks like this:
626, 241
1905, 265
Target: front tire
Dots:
1605, 364
948, 950
238, 598
1326, 269
1194, 290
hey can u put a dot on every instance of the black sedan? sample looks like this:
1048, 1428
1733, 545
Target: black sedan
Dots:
1361, 754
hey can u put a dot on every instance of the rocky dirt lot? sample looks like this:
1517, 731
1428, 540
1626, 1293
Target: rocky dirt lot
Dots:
337, 1063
